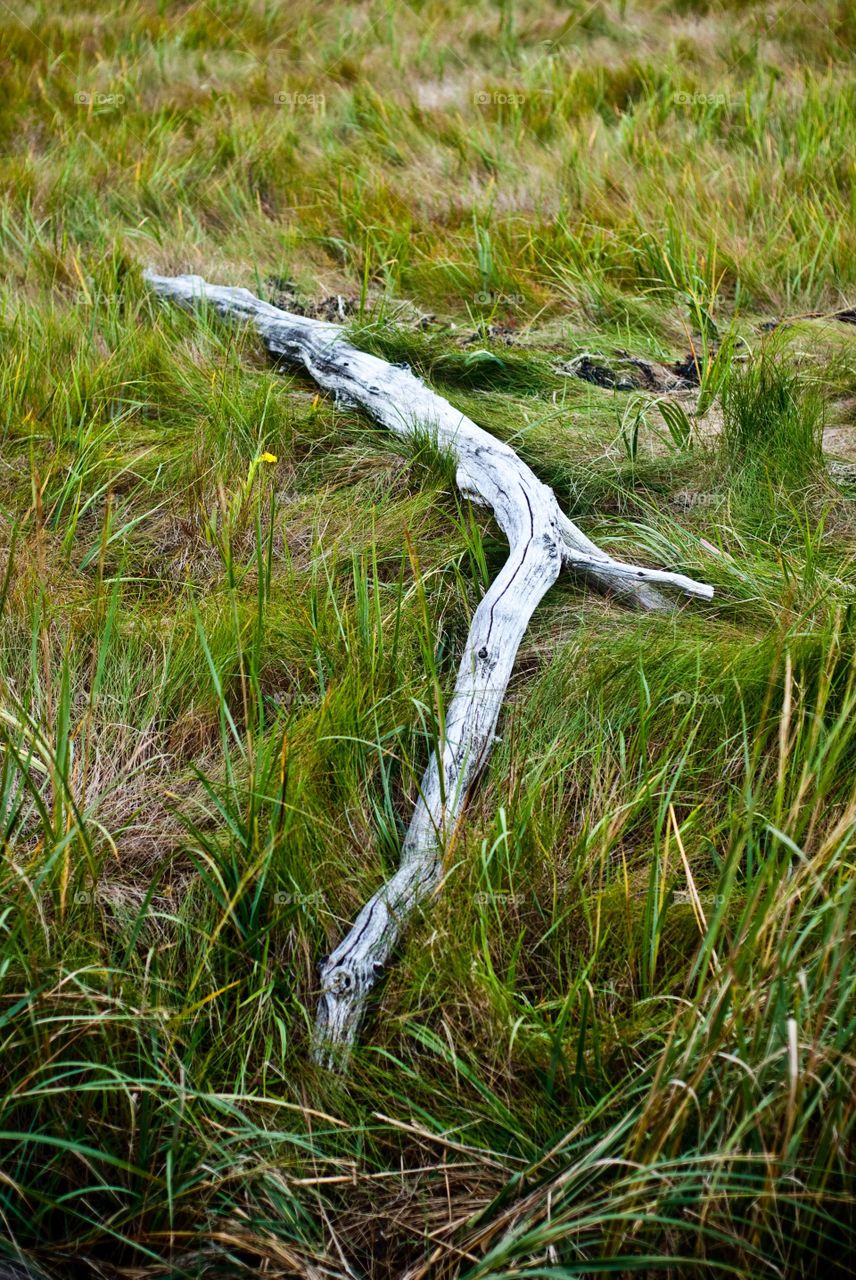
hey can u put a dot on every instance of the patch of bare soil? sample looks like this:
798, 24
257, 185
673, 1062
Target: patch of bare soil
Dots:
840, 442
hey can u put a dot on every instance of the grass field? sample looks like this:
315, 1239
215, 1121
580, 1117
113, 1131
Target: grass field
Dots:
623, 1038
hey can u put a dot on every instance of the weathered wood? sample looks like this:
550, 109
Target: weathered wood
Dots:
542, 541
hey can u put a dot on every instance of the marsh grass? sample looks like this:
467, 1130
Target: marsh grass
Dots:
621, 1040
772, 426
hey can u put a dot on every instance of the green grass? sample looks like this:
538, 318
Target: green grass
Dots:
622, 1039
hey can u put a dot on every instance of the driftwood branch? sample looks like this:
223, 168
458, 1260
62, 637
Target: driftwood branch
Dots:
542, 541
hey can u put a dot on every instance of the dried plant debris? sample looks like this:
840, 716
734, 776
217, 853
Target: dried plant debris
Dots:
624, 372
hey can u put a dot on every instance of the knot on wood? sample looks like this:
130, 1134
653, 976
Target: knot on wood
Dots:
340, 982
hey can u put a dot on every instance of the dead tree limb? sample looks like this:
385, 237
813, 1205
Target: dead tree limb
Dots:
542, 541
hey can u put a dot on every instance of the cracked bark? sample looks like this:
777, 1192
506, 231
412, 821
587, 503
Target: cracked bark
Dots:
542, 541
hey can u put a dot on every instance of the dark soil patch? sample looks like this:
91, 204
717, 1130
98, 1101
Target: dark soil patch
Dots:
337, 307
687, 370
628, 373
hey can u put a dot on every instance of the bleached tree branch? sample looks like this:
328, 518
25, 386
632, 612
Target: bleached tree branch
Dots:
542, 541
